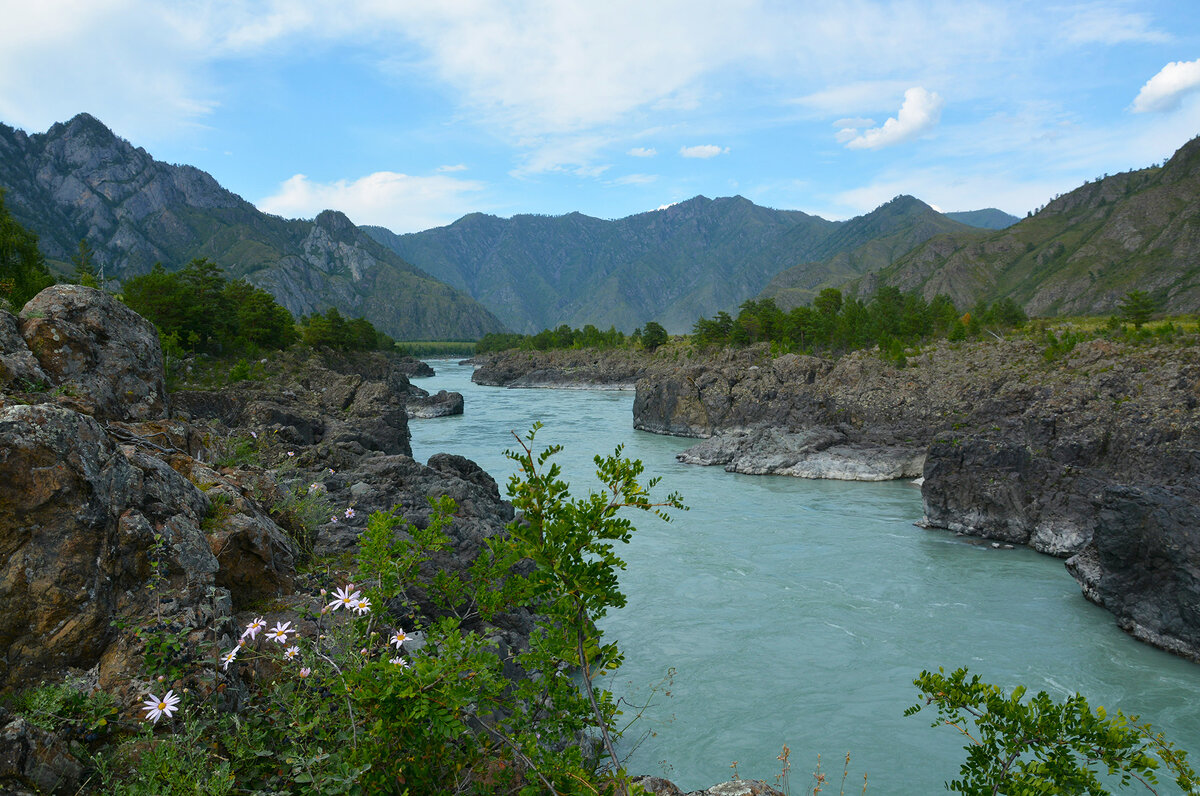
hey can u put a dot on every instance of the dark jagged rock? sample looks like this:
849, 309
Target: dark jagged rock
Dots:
1096, 456
1141, 564
34, 761
78, 518
88, 501
18, 366
316, 398
440, 404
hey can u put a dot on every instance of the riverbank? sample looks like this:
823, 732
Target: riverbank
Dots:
1089, 455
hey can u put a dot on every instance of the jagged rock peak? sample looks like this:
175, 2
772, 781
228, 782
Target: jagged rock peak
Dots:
334, 221
84, 125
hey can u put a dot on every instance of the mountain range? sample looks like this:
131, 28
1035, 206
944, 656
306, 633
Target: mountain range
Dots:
670, 265
80, 181
1079, 254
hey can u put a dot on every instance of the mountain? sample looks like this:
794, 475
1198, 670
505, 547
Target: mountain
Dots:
988, 218
860, 245
78, 180
1081, 253
670, 265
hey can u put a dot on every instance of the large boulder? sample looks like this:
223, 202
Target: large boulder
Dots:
78, 521
104, 358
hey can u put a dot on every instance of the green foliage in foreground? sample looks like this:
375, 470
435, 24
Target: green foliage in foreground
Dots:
1041, 746
338, 710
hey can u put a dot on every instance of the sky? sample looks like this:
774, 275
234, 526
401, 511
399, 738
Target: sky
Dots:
410, 114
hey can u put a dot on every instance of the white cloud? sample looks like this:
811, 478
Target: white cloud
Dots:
635, 179
854, 122
847, 129
455, 167
1164, 91
702, 151
1105, 23
400, 202
643, 152
121, 60
563, 155
920, 112
851, 97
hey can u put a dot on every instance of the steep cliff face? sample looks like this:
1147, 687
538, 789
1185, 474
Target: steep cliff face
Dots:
1095, 458
80, 181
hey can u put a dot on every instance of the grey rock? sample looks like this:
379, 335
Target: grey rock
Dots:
19, 369
440, 404
78, 516
1015, 449
740, 787
33, 759
105, 357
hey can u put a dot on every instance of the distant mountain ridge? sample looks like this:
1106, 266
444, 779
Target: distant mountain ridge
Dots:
79, 180
988, 218
670, 265
1080, 254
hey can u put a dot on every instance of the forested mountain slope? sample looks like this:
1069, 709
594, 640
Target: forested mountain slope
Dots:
1081, 253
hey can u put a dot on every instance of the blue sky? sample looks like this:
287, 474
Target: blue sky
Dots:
411, 114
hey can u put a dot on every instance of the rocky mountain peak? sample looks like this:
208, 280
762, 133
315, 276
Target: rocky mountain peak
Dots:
334, 221
1184, 163
83, 125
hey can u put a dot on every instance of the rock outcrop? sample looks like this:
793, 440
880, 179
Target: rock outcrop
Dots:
586, 369
115, 517
1094, 457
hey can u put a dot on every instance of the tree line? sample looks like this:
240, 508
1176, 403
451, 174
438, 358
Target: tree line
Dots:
198, 309
891, 319
649, 338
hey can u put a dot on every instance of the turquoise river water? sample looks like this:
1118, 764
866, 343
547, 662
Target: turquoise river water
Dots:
798, 612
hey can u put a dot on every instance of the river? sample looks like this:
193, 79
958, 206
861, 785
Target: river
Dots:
798, 612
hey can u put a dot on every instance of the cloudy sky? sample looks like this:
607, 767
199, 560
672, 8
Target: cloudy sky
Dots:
410, 114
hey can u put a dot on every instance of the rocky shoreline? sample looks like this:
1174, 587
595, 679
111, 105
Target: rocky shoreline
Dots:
106, 478
1093, 457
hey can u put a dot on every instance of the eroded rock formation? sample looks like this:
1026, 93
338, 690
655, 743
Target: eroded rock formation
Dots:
1094, 457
